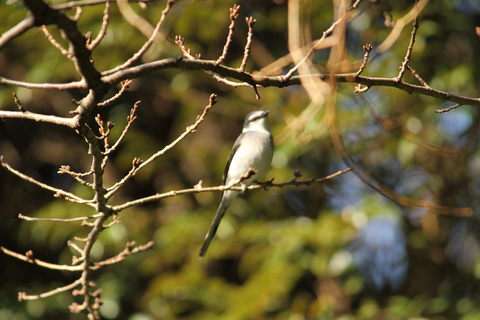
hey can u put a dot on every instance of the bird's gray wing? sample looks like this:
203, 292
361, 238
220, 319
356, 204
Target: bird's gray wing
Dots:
236, 145
224, 201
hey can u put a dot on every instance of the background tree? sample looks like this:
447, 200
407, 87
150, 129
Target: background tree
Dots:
396, 238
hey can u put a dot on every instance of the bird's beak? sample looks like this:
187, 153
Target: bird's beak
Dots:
265, 113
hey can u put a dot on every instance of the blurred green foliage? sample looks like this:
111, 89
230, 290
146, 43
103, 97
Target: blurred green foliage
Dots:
281, 254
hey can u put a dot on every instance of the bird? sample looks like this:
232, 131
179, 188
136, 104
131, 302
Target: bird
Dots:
252, 149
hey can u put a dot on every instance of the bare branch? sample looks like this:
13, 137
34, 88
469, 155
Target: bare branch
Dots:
54, 42
137, 164
246, 53
103, 29
125, 85
74, 246
406, 60
23, 296
233, 16
68, 122
57, 191
232, 186
146, 45
44, 86
18, 104
417, 76
30, 259
129, 250
130, 119
22, 27
455, 106
27, 218
368, 47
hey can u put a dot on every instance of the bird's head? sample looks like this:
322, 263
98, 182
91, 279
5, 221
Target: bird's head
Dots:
256, 121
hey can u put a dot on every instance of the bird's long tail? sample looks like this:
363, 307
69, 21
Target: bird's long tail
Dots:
222, 208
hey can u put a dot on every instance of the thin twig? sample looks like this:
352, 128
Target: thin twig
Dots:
146, 45
27, 218
368, 47
61, 121
30, 259
16, 31
406, 60
78, 13
125, 85
55, 43
246, 52
18, 103
44, 86
104, 133
130, 119
74, 246
417, 76
57, 191
233, 16
232, 186
65, 169
137, 164
455, 106
355, 5
187, 54
129, 250
103, 29
23, 296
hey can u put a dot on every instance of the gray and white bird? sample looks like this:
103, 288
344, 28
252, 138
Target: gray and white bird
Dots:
252, 149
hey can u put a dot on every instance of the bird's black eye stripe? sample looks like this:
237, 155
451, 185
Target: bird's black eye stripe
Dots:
255, 118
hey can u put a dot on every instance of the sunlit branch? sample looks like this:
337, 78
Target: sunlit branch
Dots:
233, 16
65, 169
130, 119
146, 45
125, 85
19, 29
368, 47
55, 43
406, 60
417, 76
103, 30
27, 218
30, 259
129, 250
232, 186
86, 3
57, 191
44, 86
246, 52
23, 296
138, 164
455, 106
